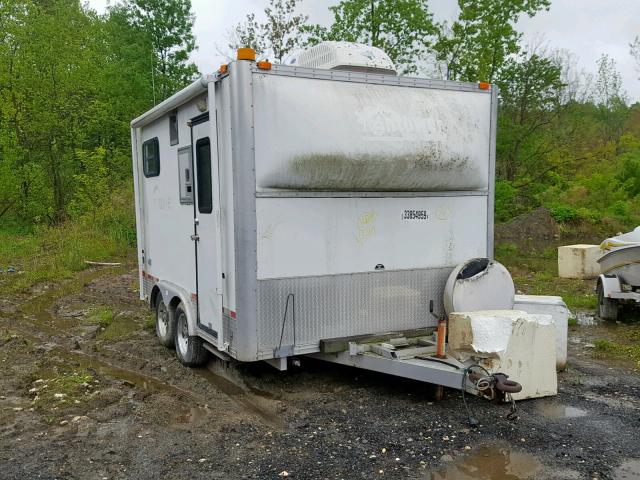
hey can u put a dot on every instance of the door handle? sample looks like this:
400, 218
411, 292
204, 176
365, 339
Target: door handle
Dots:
195, 238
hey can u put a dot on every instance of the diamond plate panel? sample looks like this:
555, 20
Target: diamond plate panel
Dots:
147, 286
228, 328
345, 305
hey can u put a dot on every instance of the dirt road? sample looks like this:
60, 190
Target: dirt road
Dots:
86, 392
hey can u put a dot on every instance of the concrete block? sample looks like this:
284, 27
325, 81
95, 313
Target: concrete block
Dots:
519, 344
579, 261
554, 306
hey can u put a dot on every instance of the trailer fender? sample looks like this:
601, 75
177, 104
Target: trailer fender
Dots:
172, 295
610, 284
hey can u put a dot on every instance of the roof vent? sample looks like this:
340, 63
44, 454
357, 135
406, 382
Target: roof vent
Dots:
354, 57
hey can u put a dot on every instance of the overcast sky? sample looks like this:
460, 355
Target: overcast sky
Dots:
588, 28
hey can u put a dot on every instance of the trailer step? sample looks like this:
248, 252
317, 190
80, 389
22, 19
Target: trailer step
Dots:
341, 344
221, 355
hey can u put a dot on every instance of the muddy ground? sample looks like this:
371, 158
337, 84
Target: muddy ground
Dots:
86, 392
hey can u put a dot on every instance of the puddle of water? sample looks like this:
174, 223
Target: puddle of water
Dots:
193, 417
555, 410
629, 470
491, 463
585, 319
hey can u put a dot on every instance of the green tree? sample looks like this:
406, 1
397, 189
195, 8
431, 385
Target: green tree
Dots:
125, 61
635, 50
169, 26
610, 98
530, 92
247, 34
70, 82
91, 185
480, 41
402, 28
275, 38
50, 72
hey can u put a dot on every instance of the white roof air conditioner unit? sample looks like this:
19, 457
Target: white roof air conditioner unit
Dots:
355, 57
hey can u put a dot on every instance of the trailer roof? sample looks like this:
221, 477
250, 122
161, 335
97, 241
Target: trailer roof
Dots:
199, 86
376, 78
174, 101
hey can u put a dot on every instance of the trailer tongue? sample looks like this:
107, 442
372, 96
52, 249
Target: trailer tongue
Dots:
414, 355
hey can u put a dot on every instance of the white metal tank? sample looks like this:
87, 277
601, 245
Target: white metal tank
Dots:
479, 284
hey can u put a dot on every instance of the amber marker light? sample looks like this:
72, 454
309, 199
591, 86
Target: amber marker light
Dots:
264, 65
484, 85
246, 54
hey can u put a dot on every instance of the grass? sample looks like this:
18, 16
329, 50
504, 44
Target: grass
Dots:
626, 346
50, 254
535, 272
120, 328
60, 389
101, 316
150, 322
112, 326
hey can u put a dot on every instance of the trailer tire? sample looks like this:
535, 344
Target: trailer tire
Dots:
165, 324
607, 307
189, 348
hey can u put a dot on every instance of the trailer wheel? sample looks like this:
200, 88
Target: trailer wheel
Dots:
189, 349
607, 307
165, 324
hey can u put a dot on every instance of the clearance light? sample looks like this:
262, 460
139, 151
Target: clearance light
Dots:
484, 85
264, 65
246, 54
223, 68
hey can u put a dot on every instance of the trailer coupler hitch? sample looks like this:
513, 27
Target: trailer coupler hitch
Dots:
497, 387
495, 382
503, 384
504, 388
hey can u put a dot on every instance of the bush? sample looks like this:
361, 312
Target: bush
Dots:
505, 201
564, 213
54, 253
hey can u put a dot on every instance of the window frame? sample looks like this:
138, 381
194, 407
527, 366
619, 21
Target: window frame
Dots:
145, 159
204, 141
173, 128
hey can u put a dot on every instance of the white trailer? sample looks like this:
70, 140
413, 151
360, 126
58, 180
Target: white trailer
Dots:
285, 210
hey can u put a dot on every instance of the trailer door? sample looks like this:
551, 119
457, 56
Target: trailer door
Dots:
206, 228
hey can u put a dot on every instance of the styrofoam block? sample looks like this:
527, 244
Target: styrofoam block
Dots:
579, 261
554, 306
519, 344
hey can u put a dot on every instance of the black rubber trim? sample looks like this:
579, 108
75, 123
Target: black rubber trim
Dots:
473, 267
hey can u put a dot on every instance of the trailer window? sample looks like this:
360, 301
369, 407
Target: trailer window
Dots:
173, 129
151, 158
185, 176
203, 159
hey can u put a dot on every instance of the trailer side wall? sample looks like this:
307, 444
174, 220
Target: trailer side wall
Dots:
367, 196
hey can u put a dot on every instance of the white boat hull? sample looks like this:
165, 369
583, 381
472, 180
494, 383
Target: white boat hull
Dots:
623, 262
